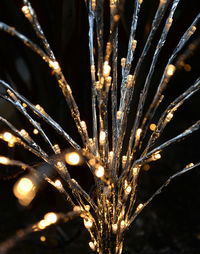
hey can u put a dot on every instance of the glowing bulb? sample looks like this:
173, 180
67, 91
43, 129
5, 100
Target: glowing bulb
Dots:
35, 131
4, 160
102, 137
114, 228
189, 165
152, 126
87, 208
72, 158
130, 81
110, 156
58, 183
123, 62
170, 70
92, 245
24, 105
169, 117
25, 185
156, 156
25, 190
134, 44
100, 171
124, 160
128, 190
135, 171
60, 165
88, 223
122, 224
138, 132
93, 5
42, 238
119, 114
57, 149
43, 224
77, 209
51, 218
7, 136
54, 65
106, 69
139, 207
83, 124
25, 10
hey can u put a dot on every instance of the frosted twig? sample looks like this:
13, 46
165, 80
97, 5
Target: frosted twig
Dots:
17, 104
168, 113
143, 94
178, 138
36, 25
45, 116
91, 17
164, 79
179, 173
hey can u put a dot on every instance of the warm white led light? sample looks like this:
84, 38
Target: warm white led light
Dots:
128, 190
58, 183
72, 158
51, 218
138, 132
114, 228
88, 223
99, 171
54, 65
170, 69
4, 160
106, 69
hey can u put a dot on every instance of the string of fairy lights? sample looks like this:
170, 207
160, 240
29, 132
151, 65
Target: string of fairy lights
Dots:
111, 212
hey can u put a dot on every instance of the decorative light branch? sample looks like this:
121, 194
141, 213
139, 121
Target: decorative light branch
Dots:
110, 214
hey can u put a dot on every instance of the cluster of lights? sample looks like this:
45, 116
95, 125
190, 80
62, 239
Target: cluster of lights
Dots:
49, 219
8, 137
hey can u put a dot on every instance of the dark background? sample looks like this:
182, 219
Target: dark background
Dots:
171, 223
